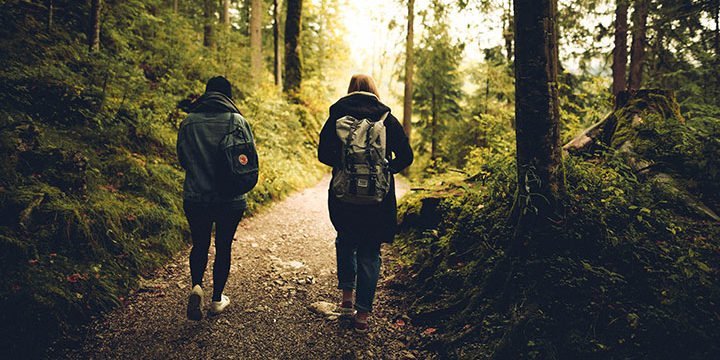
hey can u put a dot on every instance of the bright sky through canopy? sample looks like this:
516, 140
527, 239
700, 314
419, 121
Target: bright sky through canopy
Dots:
376, 35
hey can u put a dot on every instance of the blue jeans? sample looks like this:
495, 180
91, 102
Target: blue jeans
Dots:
358, 263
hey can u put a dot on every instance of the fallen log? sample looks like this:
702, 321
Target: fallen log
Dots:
621, 131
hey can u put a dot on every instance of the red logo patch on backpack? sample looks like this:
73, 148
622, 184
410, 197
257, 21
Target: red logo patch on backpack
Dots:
243, 159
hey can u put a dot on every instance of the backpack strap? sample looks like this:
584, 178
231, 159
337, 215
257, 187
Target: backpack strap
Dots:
368, 152
232, 127
351, 167
382, 119
371, 161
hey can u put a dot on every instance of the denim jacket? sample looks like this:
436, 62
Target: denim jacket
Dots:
198, 138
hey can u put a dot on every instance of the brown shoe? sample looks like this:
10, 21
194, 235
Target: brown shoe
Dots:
361, 326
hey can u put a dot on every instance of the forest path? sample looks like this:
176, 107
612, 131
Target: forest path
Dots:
283, 260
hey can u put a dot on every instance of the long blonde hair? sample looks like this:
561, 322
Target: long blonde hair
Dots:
362, 82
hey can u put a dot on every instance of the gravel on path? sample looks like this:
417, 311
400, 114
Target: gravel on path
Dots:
283, 261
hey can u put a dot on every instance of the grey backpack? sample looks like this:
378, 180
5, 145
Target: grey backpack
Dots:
363, 177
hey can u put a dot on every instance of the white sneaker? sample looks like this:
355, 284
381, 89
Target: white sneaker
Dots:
217, 307
194, 303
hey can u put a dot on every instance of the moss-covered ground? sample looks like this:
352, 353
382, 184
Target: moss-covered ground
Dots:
632, 272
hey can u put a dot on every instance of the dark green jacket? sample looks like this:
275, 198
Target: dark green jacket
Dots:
198, 139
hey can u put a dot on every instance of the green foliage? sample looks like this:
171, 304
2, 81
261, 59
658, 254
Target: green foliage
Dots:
438, 89
325, 52
485, 127
584, 100
631, 270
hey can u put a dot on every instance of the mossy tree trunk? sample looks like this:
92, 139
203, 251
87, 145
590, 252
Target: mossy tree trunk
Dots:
539, 170
256, 61
94, 30
209, 23
409, 71
293, 60
277, 62
625, 130
639, 42
620, 53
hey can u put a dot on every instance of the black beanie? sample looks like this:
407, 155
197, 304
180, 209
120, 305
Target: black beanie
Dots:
219, 84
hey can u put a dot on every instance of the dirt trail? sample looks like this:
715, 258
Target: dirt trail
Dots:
283, 260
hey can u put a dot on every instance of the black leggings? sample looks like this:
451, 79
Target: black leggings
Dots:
201, 218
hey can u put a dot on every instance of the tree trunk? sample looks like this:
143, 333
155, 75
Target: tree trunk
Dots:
247, 9
539, 155
209, 19
293, 60
94, 30
409, 70
322, 21
51, 14
619, 66
256, 60
433, 128
487, 89
176, 6
508, 32
639, 40
717, 30
226, 14
277, 64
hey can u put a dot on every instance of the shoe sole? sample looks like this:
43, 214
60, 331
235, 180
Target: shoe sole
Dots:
362, 331
193, 309
212, 312
346, 313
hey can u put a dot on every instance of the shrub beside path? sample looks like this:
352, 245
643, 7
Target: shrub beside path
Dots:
283, 261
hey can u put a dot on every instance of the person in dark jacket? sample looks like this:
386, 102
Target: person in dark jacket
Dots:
210, 118
362, 228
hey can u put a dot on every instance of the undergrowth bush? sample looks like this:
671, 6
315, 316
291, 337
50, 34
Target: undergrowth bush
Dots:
635, 272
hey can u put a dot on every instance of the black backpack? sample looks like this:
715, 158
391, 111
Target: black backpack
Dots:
237, 166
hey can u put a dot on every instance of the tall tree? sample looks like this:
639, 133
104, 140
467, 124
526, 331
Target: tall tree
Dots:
438, 87
717, 30
209, 23
508, 30
226, 13
537, 117
409, 69
94, 29
639, 42
293, 59
277, 67
619, 66
176, 6
256, 60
